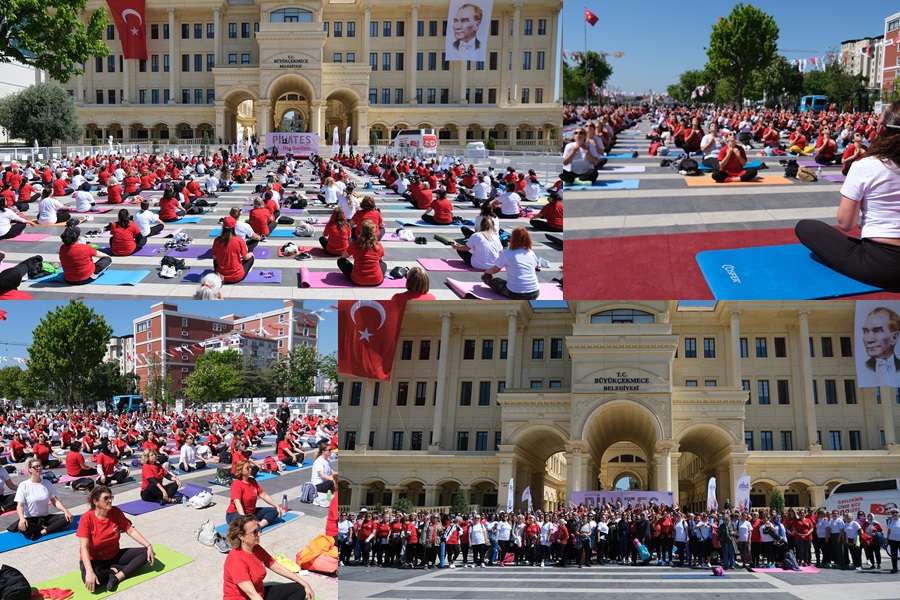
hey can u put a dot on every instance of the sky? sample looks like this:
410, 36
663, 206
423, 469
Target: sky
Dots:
661, 40
23, 317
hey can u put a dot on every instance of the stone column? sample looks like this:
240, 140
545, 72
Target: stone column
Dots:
463, 80
516, 54
735, 348
79, 92
574, 459
366, 45
356, 497
220, 119
807, 400
887, 416
174, 60
361, 126
440, 391
429, 495
512, 318
126, 84
263, 117
816, 495
318, 116
508, 467
217, 43
412, 46
737, 469
553, 24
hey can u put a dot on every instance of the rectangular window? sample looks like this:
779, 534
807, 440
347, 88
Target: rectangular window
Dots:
154, 32
556, 348
210, 31
431, 96
834, 437
481, 441
765, 441
185, 31
855, 439
462, 441
185, 63
690, 383
166, 99
351, 57
780, 347
468, 349
386, 31
526, 61
787, 441
540, 61
232, 58
165, 31
402, 393
761, 351
826, 347
376, 393
445, 65
501, 387
709, 347
337, 57
492, 95
762, 391
415, 440
745, 385
484, 393
812, 348
111, 96
198, 63
745, 352
690, 347
830, 391
424, 349
338, 29
198, 31
538, 95
245, 58
351, 28
492, 61
398, 64
537, 349
537, 384
498, 436
111, 64
373, 29
421, 392
154, 96
397, 443
373, 96
198, 96
420, 61
373, 61
142, 66
142, 96
784, 393
210, 61
98, 64
748, 440
232, 30
401, 29
495, 27
355, 393
185, 96
350, 441
528, 26
372, 439
418, 95
432, 61
542, 26
211, 99
245, 30
445, 95
465, 393
846, 347
815, 392
420, 28
386, 61
850, 391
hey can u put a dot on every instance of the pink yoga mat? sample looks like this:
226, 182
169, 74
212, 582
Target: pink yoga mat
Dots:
326, 279
624, 168
28, 237
162, 234
68, 478
98, 211
446, 264
479, 291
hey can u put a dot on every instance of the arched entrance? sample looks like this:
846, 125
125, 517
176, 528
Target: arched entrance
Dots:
706, 451
236, 109
289, 102
540, 462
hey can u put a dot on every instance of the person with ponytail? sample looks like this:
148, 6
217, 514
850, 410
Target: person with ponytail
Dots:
77, 258
125, 234
369, 268
231, 259
51, 210
336, 237
870, 198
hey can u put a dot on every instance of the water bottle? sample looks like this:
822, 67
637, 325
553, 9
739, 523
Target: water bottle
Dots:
819, 173
328, 496
284, 504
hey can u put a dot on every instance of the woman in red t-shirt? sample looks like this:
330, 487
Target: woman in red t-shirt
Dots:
336, 236
126, 238
246, 564
169, 207
368, 268
131, 183
286, 452
551, 216
826, 148
41, 450
103, 563
77, 259
260, 219
244, 492
732, 159
367, 212
231, 259
853, 153
440, 212
153, 473
114, 192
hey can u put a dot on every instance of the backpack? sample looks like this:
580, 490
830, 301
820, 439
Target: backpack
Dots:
791, 168
171, 261
806, 174
298, 202
654, 147
225, 456
285, 220
718, 571
307, 493
201, 500
36, 268
224, 476
50, 476
13, 585
304, 230
690, 166
206, 535
790, 562
82, 484
270, 465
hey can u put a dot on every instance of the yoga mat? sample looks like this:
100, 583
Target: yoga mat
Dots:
624, 168
279, 233
164, 233
145, 251
109, 277
206, 252
773, 273
622, 155
184, 221
809, 570
28, 237
610, 184
68, 478
292, 211
761, 180
693, 576
327, 279
96, 211
446, 264
254, 276
420, 223
751, 164
446, 239
287, 518
814, 165
140, 507
478, 291
165, 560
835, 178
14, 541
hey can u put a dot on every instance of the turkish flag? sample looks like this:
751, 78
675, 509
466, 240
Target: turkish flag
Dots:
591, 17
367, 337
2, 315
129, 18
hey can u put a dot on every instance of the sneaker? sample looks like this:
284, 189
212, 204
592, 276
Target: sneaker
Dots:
452, 566
482, 566
858, 569
303, 256
222, 545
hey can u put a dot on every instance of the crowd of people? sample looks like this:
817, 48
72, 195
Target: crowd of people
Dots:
587, 535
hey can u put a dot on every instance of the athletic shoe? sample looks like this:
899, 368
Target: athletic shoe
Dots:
482, 566
452, 566
858, 569
303, 256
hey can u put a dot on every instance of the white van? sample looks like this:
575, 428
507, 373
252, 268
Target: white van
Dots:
878, 497
414, 143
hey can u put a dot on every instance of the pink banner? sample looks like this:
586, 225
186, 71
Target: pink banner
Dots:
295, 143
625, 497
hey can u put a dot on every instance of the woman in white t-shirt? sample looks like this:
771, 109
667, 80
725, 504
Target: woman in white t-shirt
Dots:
521, 264
478, 540
7, 501
33, 499
51, 210
681, 530
871, 199
323, 477
892, 535
482, 249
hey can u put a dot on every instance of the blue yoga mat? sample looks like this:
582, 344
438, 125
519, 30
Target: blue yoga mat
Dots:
420, 223
287, 518
621, 155
751, 164
264, 476
184, 220
773, 273
109, 277
278, 233
610, 184
13, 541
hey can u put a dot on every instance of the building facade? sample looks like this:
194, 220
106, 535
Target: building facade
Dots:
121, 349
257, 351
891, 58
864, 57
582, 397
371, 65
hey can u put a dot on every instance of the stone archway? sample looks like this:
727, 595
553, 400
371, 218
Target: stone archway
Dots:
537, 459
281, 89
706, 450
235, 108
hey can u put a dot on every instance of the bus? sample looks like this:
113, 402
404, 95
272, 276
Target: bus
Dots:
414, 143
128, 403
813, 104
878, 497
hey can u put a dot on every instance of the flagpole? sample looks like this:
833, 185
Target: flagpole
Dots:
584, 58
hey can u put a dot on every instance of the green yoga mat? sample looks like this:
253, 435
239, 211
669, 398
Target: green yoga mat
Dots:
166, 560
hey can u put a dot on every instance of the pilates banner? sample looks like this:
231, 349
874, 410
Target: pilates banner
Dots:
876, 330
628, 497
295, 143
510, 495
742, 494
468, 28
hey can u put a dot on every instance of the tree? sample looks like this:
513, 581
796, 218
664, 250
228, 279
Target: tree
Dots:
776, 501
295, 374
815, 83
591, 68
68, 344
257, 383
780, 81
159, 384
10, 383
328, 367
744, 42
460, 505
403, 505
50, 35
688, 82
106, 380
42, 112
216, 377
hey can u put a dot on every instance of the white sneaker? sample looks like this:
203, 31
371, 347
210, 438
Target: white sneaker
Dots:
482, 566
542, 564
452, 566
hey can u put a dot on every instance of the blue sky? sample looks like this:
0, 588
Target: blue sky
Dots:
23, 317
663, 39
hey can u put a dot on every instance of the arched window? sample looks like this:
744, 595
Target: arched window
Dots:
291, 15
621, 315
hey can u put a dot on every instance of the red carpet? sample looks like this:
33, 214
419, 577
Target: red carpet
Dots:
658, 267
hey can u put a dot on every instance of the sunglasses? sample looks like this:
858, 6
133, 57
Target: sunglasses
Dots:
37, 467
254, 533
106, 498
579, 133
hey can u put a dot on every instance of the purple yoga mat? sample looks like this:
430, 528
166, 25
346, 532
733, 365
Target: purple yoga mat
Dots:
98, 211
814, 165
477, 290
28, 237
145, 251
624, 168
835, 178
323, 279
446, 264
162, 234
254, 276
206, 252
140, 507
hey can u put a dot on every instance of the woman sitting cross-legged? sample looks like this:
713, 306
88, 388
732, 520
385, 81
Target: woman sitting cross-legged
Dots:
125, 235
153, 476
33, 499
732, 159
77, 259
521, 264
482, 249
551, 216
245, 491
231, 259
367, 252
336, 236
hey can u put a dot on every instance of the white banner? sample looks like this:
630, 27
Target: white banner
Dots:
596, 498
510, 495
712, 505
296, 143
347, 137
335, 141
468, 28
742, 494
876, 331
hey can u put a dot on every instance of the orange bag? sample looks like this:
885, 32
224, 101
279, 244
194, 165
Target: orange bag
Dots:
320, 555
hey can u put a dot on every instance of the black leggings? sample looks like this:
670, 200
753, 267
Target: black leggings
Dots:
590, 175
430, 219
870, 262
187, 469
126, 561
894, 552
245, 264
34, 525
14, 230
721, 176
139, 242
156, 229
284, 591
8, 503
346, 268
478, 554
101, 265
822, 160
542, 225
152, 493
499, 286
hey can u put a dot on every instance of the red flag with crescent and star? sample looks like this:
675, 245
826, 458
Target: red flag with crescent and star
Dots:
590, 17
129, 18
367, 337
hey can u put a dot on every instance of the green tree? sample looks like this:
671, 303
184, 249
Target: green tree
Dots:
257, 383
403, 505
50, 35
687, 83
68, 344
158, 390
106, 380
10, 383
42, 112
295, 374
743, 42
592, 67
460, 505
815, 83
781, 81
328, 367
216, 377
776, 501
